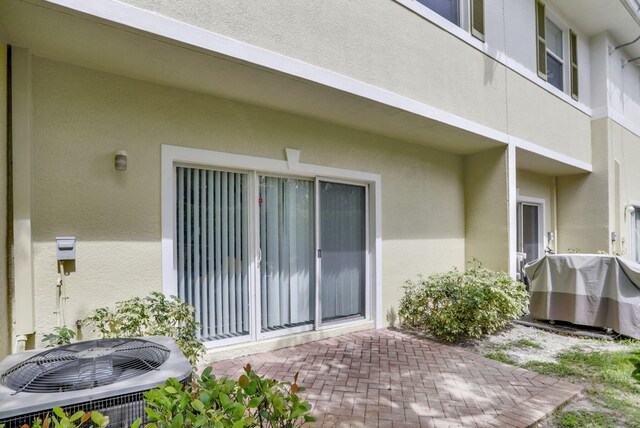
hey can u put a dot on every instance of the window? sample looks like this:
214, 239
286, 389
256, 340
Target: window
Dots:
553, 63
457, 11
449, 9
555, 58
261, 254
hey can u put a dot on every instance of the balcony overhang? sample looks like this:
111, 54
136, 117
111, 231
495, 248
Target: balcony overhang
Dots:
113, 37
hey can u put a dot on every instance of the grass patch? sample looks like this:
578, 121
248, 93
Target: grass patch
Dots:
520, 344
502, 357
584, 419
552, 369
612, 387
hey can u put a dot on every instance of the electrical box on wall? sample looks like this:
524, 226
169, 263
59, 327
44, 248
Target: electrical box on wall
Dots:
66, 248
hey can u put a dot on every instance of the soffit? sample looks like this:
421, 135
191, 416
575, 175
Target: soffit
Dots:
595, 16
534, 162
60, 34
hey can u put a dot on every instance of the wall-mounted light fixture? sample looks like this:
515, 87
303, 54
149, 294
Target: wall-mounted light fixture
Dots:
121, 160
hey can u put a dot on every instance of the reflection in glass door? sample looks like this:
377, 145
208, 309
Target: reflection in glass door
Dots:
287, 268
343, 250
529, 241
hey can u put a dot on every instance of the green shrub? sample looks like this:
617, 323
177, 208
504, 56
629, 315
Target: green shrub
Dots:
251, 401
61, 420
60, 336
154, 315
459, 305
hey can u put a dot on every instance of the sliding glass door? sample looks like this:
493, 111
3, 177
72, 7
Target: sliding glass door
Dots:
212, 250
287, 268
343, 245
259, 256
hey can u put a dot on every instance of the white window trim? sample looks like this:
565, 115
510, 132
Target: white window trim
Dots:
566, 51
541, 220
176, 155
513, 65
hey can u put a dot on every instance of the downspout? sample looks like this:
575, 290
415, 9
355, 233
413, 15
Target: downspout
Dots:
555, 214
20, 343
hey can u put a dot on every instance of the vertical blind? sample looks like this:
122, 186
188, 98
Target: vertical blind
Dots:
343, 244
212, 249
287, 269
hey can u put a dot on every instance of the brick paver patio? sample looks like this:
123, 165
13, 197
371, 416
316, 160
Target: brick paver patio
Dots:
383, 378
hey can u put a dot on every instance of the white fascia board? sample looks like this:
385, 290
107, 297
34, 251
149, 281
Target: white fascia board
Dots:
143, 20
550, 154
162, 26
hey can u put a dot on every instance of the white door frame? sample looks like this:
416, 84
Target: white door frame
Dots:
526, 200
176, 155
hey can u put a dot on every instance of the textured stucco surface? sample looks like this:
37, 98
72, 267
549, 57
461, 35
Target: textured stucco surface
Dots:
81, 117
5, 330
584, 200
532, 185
407, 54
540, 117
625, 148
486, 208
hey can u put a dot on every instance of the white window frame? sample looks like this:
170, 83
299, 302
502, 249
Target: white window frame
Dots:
173, 156
461, 30
541, 220
634, 254
566, 50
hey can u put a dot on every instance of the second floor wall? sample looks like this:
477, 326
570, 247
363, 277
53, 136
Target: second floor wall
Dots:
405, 47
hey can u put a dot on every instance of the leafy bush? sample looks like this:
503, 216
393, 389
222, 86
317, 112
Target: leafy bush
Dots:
150, 316
60, 336
251, 401
61, 420
459, 305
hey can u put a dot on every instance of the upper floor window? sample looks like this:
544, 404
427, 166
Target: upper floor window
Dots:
449, 9
554, 65
555, 56
459, 12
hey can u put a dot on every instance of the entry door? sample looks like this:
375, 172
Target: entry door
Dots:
529, 232
342, 250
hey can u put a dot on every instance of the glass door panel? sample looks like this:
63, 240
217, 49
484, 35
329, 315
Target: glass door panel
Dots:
530, 227
287, 268
343, 250
212, 250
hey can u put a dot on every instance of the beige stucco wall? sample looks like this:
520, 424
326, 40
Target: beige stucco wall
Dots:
5, 331
487, 208
584, 200
539, 186
80, 117
540, 117
625, 149
407, 54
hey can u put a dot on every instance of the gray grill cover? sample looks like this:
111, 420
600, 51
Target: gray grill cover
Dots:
587, 289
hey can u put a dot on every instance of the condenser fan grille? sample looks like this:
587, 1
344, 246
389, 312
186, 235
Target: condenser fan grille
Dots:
85, 365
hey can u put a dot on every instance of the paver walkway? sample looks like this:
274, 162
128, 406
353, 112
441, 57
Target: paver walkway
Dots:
383, 378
